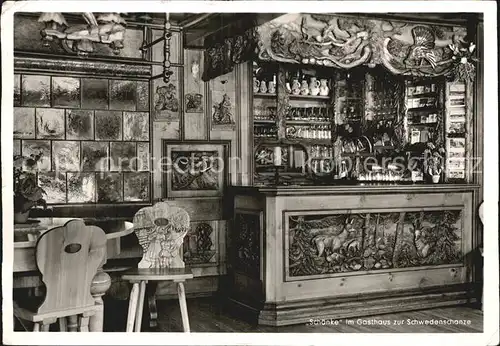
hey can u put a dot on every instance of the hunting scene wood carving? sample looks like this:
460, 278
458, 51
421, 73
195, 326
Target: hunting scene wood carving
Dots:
325, 244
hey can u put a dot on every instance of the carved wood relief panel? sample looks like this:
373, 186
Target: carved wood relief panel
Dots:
200, 243
343, 42
320, 244
245, 242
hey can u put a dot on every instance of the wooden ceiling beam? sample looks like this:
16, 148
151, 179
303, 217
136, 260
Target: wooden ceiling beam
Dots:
195, 38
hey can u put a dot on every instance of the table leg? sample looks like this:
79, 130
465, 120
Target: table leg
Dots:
182, 304
140, 306
63, 326
153, 311
132, 307
84, 323
72, 323
100, 284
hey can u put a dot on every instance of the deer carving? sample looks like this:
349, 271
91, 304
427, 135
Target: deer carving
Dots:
420, 240
332, 237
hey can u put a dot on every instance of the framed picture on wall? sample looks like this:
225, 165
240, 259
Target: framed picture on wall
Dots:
194, 169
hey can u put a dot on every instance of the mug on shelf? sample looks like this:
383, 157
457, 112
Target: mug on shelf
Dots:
263, 87
314, 86
271, 88
256, 85
323, 89
304, 89
295, 86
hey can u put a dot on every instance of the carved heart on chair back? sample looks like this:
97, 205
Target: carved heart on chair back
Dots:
161, 230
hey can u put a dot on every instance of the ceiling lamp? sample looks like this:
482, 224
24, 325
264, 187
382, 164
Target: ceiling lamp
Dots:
107, 28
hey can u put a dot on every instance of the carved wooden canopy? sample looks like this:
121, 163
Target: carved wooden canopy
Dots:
346, 42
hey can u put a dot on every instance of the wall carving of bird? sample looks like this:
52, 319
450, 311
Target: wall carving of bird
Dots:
423, 47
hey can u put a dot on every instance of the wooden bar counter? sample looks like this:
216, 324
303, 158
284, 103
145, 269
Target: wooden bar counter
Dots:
314, 252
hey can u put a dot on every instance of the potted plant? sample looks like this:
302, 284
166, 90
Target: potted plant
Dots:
27, 193
433, 161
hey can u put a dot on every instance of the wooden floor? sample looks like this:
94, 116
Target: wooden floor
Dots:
208, 315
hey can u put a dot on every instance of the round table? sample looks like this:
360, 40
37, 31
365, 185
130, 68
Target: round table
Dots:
24, 256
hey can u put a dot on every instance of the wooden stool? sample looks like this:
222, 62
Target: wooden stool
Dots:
67, 258
139, 280
161, 230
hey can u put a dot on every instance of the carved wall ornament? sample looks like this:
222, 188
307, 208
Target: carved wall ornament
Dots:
222, 56
464, 68
336, 243
198, 244
223, 112
194, 103
107, 28
166, 102
341, 42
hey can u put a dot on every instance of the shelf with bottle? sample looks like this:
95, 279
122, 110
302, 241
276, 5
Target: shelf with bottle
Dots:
269, 132
264, 113
316, 115
309, 97
309, 132
267, 95
321, 152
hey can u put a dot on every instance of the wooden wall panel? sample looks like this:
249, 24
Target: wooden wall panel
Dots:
224, 98
195, 112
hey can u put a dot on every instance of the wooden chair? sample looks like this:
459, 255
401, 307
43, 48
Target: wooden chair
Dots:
68, 258
161, 230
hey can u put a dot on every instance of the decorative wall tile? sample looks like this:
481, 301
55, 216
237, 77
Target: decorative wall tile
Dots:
122, 95
95, 93
136, 187
24, 122
136, 126
143, 156
54, 185
95, 156
109, 187
50, 123
65, 92
17, 147
35, 147
66, 155
108, 125
123, 156
142, 99
81, 187
35, 91
17, 90
79, 124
